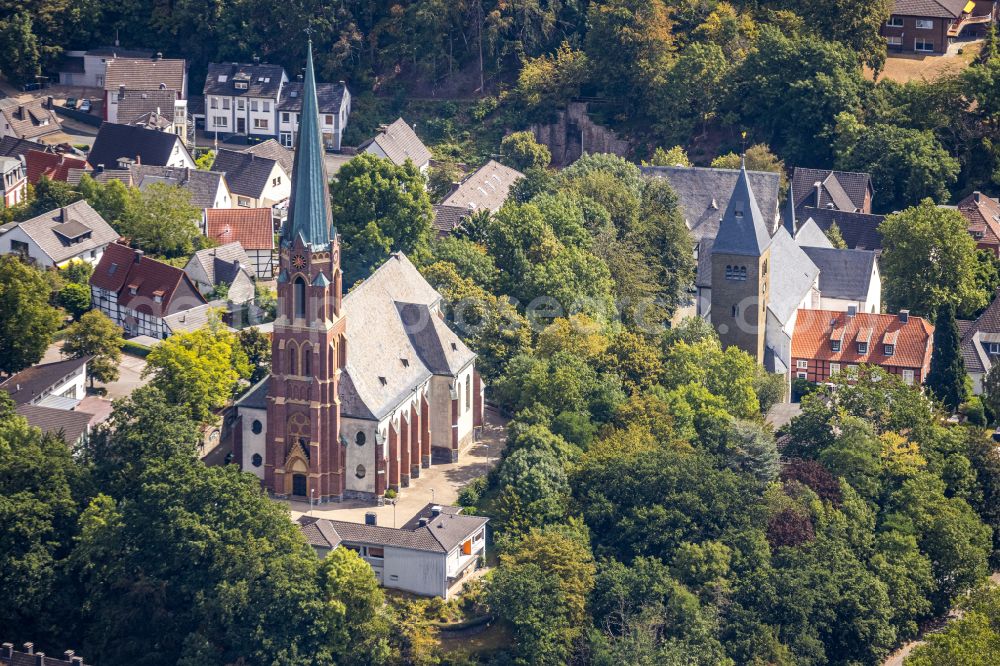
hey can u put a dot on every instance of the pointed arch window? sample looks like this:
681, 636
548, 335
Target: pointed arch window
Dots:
306, 360
293, 360
299, 297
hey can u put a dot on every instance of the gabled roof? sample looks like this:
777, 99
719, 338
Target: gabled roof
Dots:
792, 276
25, 386
145, 74
69, 424
929, 8
252, 228
124, 270
29, 120
986, 328
134, 104
983, 215
810, 235
262, 80
487, 188
859, 230
273, 150
912, 340
309, 214
399, 143
843, 274
194, 318
201, 185
115, 142
75, 175
448, 218
704, 193
11, 146
844, 190
743, 230
66, 232
442, 533
256, 397
222, 263
374, 306
330, 97
51, 165
246, 173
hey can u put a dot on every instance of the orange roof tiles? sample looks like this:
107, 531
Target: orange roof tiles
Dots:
51, 165
251, 227
912, 340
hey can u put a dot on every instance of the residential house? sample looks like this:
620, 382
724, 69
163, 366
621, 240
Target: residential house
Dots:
158, 109
28, 120
13, 147
197, 317
70, 425
243, 98
428, 556
983, 216
981, 344
137, 292
87, 68
125, 76
255, 181
223, 265
398, 142
208, 189
847, 278
60, 384
119, 146
29, 657
828, 342
75, 232
252, 229
13, 181
273, 150
859, 230
929, 26
485, 189
334, 107
54, 166
846, 191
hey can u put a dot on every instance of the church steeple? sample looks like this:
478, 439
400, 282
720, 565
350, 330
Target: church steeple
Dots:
743, 229
309, 215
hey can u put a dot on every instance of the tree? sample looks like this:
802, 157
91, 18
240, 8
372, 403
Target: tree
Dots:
521, 151
853, 23
676, 156
96, 336
470, 260
27, 321
752, 450
49, 195
110, 199
379, 208
22, 62
835, 237
205, 160
75, 299
929, 258
78, 271
161, 220
257, 348
195, 370
443, 176
758, 157
947, 379
358, 628
548, 82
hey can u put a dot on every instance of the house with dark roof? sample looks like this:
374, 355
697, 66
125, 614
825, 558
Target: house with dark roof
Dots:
27, 120
13, 147
160, 109
485, 189
124, 76
252, 229
60, 384
334, 108
28, 656
398, 142
828, 342
243, 98
226, 264
272, 150
55, 238
13, 181
847, 278
428, 556
120, 146
929, 26
70, 425
983, 216
208, 189
981, 344
859, 230
845, 191
137, 292
88, 68
255, 181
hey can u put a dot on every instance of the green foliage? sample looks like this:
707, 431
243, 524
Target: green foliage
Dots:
853, 23
470, 260
835, 237
48, 195
75, 298
442, 178
758, 157
205, 160
96, 336
547, 82
676, 156
161, 220
379, 208
18, 41
947, 379
521, 151
77, 271
27, 321
256, 346
929, 258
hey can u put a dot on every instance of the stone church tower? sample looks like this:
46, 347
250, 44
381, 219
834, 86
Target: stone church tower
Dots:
304, 455
741, 280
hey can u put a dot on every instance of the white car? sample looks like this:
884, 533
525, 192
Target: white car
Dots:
85, 106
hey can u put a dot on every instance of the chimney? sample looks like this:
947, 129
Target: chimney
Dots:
163, 86
138, 255
29, 648
158, 56
39, 659
62, 214
819, 192
76, 661
976, 196
68, 655
7, 650
435, 511
256, 60
371, 518
904, 316
422, 522
99, 169
852, 310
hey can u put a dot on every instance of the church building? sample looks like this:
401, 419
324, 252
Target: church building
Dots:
365, 390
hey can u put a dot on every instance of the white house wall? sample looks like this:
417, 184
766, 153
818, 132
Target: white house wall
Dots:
415, 571
253, 443
365, 454
91, 256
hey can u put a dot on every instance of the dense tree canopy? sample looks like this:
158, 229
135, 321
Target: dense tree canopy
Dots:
27, 321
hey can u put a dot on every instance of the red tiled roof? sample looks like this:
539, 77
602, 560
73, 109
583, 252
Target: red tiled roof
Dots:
55, 167
811, 339
124, 270
983, 215
250, 227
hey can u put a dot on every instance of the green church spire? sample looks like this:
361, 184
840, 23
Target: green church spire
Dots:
309, 213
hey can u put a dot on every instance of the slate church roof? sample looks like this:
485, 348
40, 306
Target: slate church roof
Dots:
743, 230
843, 274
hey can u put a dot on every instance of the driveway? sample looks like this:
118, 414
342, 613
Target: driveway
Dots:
439, 484
130, 373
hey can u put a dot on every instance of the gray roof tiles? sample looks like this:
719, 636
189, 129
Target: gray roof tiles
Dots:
330, 97
442, 534
64, 233
262, 80
399, 143
69, 424
201, 185
133, 104
29, 120
246, 173
744, 230
846, 190
144, 74
273, 150
32, 382
486, 188
792, 276
859, 230
929, 8
843, 274
115, 142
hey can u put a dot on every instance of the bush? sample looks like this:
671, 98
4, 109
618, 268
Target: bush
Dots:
974, 411
484, 107
135, 349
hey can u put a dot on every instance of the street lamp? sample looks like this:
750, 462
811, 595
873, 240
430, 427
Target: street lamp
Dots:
312, 500
432, 497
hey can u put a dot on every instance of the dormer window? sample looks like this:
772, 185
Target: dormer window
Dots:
835, 345
158, 298
993, 347
862, 347
133, 289
382, 381
240, 85
890, 350
405, 362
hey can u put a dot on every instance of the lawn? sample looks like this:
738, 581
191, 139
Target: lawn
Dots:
912, 67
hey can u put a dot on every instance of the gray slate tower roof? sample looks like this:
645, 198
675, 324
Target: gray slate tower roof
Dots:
743, 230
309, 207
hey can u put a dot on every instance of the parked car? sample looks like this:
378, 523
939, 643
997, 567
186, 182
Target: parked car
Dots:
70, 103
85, 106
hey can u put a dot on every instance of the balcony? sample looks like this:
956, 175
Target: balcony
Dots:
966, 19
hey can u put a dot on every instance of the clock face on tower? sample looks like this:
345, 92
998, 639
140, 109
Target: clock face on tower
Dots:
298, 261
